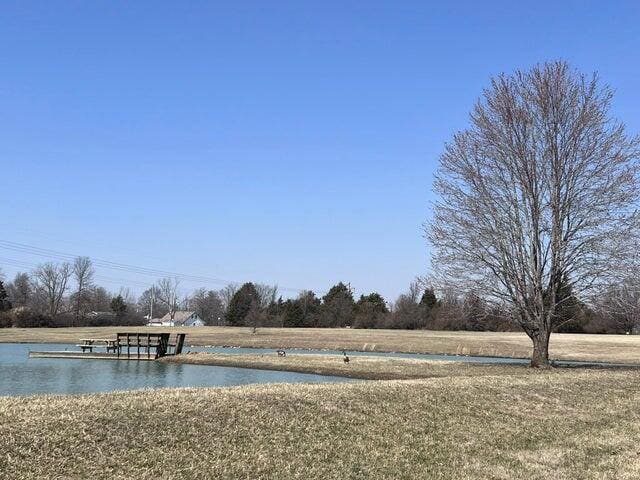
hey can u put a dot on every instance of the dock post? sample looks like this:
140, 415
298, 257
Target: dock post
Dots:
179, 343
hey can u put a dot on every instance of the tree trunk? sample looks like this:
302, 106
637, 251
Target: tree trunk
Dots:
540, 355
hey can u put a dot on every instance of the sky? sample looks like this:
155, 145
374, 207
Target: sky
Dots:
286, 142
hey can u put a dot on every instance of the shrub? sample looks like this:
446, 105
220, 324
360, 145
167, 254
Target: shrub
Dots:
5, 320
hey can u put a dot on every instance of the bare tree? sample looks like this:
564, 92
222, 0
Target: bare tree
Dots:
148, 304
226, 294
52, 280
184, 303
622, 303
254, 317
267, 294
20, 290
167, 294
415, 290
541, 188
83, 275
408, 312
128, 298
208, 305
99, 299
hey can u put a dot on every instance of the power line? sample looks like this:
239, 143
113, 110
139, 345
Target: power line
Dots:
102, 278
48, 253
62, 256
100, 245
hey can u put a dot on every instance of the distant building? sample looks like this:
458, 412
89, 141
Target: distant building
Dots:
180, 319
101, 314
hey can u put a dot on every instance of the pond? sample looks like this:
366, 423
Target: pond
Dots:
20, 375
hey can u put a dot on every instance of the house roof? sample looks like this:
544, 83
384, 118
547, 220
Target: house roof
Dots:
179, 316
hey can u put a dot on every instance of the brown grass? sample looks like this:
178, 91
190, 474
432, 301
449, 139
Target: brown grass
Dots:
361, 367
563, 424
612, 348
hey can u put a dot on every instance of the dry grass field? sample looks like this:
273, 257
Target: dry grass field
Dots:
612, 348
560, 424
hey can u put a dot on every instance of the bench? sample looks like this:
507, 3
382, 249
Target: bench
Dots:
91, 343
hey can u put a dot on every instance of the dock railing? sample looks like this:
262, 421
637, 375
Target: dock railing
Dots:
126, 346
149, 345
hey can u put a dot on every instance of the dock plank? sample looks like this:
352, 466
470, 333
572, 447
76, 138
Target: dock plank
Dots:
85, 356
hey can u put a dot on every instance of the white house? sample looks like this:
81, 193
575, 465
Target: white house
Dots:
180, 319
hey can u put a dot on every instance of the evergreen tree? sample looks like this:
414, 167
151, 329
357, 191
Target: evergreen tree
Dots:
292, 315
370, 311
429, 299
246, 300
5, 304
337, 307
302, 311
275, 312
428, 306
118, 306
373, 301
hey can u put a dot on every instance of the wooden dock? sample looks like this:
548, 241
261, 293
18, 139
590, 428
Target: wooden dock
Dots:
84, 355
126, 346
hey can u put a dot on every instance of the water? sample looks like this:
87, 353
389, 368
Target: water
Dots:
418, 356
21, 375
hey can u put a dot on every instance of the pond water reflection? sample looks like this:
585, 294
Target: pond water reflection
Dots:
20, 375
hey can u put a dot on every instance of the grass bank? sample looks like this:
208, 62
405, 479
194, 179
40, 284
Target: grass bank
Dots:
563, 424
606, 348
361, 367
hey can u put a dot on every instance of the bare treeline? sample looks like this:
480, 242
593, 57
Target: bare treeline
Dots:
27, 301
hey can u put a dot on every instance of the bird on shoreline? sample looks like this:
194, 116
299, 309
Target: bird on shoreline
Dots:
345, 357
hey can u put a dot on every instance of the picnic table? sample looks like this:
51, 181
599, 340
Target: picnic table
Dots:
111, 344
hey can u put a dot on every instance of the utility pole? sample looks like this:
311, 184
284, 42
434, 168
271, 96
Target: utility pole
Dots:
349, 288
173, 307
153, 296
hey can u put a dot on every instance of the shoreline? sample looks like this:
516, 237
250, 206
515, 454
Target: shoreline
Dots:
622, 349
368, 367
362, 368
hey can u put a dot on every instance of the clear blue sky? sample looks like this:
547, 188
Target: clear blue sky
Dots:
281, 142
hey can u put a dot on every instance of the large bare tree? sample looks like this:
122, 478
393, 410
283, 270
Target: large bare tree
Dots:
51, 280
83, 275
541, 189
166, 293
